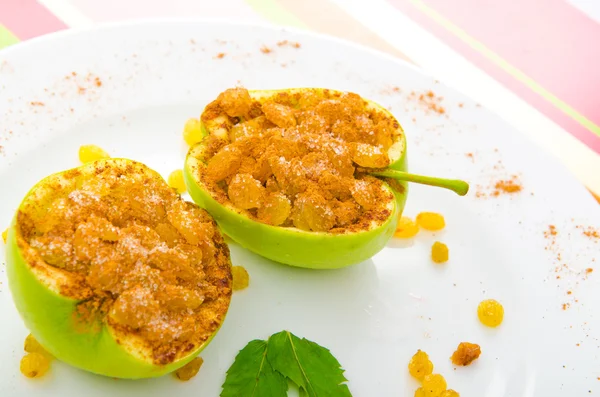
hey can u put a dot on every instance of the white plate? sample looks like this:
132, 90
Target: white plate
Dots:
373, 316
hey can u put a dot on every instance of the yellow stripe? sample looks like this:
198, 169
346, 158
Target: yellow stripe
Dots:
595, 196
502, 63
6, 37
273, 11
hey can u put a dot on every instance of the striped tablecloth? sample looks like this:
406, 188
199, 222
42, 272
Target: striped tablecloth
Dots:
534, 62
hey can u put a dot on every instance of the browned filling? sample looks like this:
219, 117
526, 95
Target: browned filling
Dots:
466, 353
143, 260
291, 160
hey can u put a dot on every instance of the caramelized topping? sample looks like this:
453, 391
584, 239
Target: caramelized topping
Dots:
155, 265
290, 160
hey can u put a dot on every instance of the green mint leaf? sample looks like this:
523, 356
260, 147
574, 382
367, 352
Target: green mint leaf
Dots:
251, 374
310, 366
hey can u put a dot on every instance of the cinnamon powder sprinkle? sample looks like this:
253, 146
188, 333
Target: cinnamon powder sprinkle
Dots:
37, 103
429, 101
508, 186
590, 232
294, 159
563, 270
551, 231
141, 260
220, 55
265, 50
288, 43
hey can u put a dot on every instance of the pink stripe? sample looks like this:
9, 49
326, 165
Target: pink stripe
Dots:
531, 46
28, 19
550, 41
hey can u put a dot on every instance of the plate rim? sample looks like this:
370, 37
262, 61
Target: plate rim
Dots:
323, 38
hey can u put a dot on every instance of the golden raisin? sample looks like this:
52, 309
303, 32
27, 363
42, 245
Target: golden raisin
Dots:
431, 221
236, 102
346, 212
466, 353
168, 233
434, 385
192, 131
369, 156
89, 153
312, 212
406, 228
439, 252
174, 260
247, 128
275, 209
103, 228
449, 393
34, 365
177, 298
241, 279
420, 365
5, 235
223, 164
135, 307
31, 345
280, 115
104, 276
177, 182
245, 192
189, 370
420, 392
54, 250
186, 221
490, 313
366, 192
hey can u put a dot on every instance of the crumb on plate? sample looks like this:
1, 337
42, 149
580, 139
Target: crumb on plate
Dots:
466, 353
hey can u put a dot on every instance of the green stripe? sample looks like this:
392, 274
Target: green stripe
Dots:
275, 12
510, 69
6, 37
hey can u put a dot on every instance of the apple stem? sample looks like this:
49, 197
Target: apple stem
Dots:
456, 185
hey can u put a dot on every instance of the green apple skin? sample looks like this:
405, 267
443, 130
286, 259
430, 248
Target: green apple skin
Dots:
49, 317
291, 246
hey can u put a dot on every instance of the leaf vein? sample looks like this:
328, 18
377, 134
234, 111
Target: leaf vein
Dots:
300, 365
262, 362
